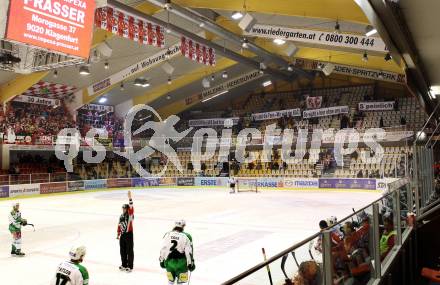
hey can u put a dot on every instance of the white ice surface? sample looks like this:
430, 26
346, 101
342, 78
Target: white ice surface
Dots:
228, 231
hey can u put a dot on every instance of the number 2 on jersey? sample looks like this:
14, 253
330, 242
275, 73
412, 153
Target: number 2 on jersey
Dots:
174, 242
62, 279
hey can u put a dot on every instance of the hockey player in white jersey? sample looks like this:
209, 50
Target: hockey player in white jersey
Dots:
176, 255
72, 272
15, 224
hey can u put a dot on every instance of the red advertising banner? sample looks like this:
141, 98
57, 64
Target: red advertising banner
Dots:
118, 182
48, 188
58, 25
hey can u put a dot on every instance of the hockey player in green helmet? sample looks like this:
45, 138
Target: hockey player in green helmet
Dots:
15, 224
176, 255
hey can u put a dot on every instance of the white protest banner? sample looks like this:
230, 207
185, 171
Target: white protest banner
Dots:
142, 66
37, 100
276, 114
325, 112
314, 37
243, 79
376, 106
212, 122
96, 107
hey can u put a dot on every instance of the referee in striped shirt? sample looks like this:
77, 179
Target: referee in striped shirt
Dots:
125, 236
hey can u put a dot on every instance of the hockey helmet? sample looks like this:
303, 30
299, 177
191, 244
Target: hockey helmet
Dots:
180, 224
77, 253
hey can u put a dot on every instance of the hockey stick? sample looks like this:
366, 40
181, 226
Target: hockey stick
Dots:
32, 225
267, 267
189, 278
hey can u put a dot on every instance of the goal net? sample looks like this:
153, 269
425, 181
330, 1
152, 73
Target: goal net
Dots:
247, 185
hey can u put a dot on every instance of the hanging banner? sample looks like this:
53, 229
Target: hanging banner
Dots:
197, 51
212, 122
313, 37
96, 107
142, 66
373, 74
276, 114
376, 106
314, 102
55, 25
230, 84
37, 100
130, 27
325, 112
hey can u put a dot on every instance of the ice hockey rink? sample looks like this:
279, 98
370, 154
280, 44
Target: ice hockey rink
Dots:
228, 230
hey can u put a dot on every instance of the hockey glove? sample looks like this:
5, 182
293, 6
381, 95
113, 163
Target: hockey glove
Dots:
192, 267
162, 264
24, 222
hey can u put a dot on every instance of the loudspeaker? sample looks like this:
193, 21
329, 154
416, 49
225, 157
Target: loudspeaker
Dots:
291, 49
247, 22
328, 69
105, 49
168, 68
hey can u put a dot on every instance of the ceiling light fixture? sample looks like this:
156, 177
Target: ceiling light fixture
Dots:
122, 86
225, 74
290, 67
370, 30
169, 81
55, 73
106, 65
168, 97
237, 15
212, 77
245, 43
216, 95
365, 57
337, 28
267, 83
279, 41
388, 57
84, 70
102, 100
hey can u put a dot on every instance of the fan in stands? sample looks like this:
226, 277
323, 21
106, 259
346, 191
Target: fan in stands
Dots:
247, 185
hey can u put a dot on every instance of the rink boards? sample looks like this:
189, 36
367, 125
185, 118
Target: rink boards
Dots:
270, 183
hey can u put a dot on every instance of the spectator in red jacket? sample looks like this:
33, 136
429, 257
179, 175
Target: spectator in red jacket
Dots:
125, 236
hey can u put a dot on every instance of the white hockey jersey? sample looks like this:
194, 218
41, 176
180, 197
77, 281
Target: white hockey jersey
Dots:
69, 273
177, 244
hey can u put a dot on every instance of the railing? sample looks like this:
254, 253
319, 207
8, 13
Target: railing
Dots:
14, 179
334, 257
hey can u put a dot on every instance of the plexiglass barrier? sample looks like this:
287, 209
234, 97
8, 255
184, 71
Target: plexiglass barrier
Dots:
354, 250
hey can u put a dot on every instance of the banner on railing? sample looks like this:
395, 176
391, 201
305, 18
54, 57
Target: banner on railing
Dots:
37, 100
75, 186
377, 106
95, 184
129, 26
167, 181
325, 112
347, 183
118, 182
270, 182
49, 188
4, 191
197, 52
145, 182
24, 189
314, 102
212, 122
99, 108
185, 181
276, 114
211, 181
301, 183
